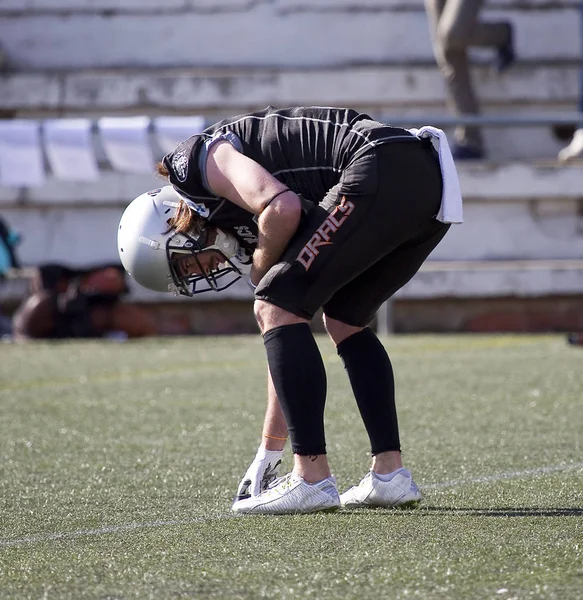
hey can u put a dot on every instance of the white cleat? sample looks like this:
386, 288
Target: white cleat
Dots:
400, 490
574, 149
291, 495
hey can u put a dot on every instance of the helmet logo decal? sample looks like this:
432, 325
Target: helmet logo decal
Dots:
180, 164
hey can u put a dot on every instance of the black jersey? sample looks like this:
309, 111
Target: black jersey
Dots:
307, 148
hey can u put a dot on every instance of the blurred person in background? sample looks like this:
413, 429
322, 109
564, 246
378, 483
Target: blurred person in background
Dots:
572, 152
575, 149
69, 303
9, 239
455, 27
337, 211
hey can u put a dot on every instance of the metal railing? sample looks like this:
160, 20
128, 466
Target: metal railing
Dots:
506, 119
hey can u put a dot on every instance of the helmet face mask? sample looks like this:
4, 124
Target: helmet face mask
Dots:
160, 259
189, 284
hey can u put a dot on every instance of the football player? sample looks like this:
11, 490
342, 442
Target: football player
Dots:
336, 211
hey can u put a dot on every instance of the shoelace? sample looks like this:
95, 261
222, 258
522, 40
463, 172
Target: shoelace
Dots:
268, 480
280, 480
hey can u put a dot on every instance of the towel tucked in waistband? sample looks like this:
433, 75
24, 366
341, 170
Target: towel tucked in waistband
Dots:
451, 210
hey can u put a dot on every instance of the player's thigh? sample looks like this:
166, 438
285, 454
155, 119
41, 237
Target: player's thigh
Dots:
311, 276
358, 301
306, 274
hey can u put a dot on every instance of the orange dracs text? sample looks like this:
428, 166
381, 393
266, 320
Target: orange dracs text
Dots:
321, 237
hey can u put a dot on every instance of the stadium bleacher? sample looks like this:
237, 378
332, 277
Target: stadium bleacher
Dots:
523, 209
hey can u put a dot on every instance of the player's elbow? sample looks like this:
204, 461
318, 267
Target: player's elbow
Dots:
280, 220
285, 208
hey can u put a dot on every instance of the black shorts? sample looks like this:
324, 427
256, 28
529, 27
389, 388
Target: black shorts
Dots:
365, 240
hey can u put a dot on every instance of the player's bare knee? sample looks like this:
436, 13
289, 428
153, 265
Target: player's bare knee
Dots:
338, 330
269, 316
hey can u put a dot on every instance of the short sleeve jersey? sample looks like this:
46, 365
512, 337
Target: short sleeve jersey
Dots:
308, 149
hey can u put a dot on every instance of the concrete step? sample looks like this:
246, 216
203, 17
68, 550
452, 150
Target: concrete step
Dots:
407, 89
518, 212
221, 6
382, 91
518, 181
43, 35
487, 279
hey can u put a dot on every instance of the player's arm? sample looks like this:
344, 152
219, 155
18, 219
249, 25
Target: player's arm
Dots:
244, 182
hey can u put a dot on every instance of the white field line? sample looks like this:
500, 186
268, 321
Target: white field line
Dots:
35, 539
501, 476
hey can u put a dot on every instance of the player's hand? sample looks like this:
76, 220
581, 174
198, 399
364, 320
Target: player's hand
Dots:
261, 472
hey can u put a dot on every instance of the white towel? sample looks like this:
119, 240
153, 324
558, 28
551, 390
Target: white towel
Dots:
127, 144
451, 210
69, 148
170, 131
21, 157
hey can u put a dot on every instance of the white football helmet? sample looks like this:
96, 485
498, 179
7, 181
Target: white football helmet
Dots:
148, 247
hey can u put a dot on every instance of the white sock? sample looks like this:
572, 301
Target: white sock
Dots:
389, 476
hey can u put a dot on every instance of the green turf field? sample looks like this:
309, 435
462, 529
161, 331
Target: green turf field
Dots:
119, 462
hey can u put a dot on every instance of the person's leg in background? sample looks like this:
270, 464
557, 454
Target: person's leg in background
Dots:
455, 27
575, 151
451, 27
575, 148
36, 316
